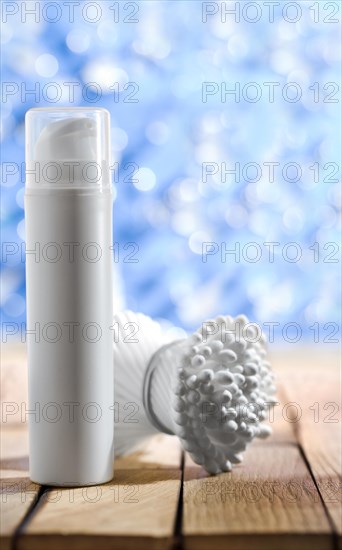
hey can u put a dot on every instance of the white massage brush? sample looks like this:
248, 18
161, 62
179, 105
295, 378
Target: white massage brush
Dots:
212, 389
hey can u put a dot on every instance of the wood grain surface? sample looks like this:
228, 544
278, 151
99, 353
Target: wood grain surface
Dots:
286, 493
18, 493
318, 430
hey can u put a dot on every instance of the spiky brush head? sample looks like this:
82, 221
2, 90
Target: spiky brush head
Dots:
223, 390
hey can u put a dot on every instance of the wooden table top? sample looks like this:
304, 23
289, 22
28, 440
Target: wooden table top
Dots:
285, 494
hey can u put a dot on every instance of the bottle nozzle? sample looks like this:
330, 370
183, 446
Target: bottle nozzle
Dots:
68, 148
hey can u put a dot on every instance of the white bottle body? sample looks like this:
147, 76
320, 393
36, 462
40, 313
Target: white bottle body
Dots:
69, 339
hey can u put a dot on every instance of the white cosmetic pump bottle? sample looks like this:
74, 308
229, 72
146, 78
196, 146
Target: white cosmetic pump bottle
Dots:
68, 209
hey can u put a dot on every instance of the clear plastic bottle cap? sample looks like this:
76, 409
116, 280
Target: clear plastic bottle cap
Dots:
68, 148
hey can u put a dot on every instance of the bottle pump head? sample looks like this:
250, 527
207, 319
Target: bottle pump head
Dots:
68, 148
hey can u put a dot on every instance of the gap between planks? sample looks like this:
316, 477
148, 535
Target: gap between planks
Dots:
284, 440
138, 509
319, 429
268, 502
221, 512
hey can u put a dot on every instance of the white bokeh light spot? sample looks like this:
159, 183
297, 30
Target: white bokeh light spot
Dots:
78, 41
119, 139
145, 179
157, 132
46, 65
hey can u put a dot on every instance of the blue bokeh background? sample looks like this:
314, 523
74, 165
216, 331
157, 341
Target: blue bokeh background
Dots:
160, 53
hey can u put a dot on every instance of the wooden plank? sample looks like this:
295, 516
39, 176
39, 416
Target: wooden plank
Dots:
136, 510
313, 381
13, 388
269, 501
322, 449
18, 493
160, 451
